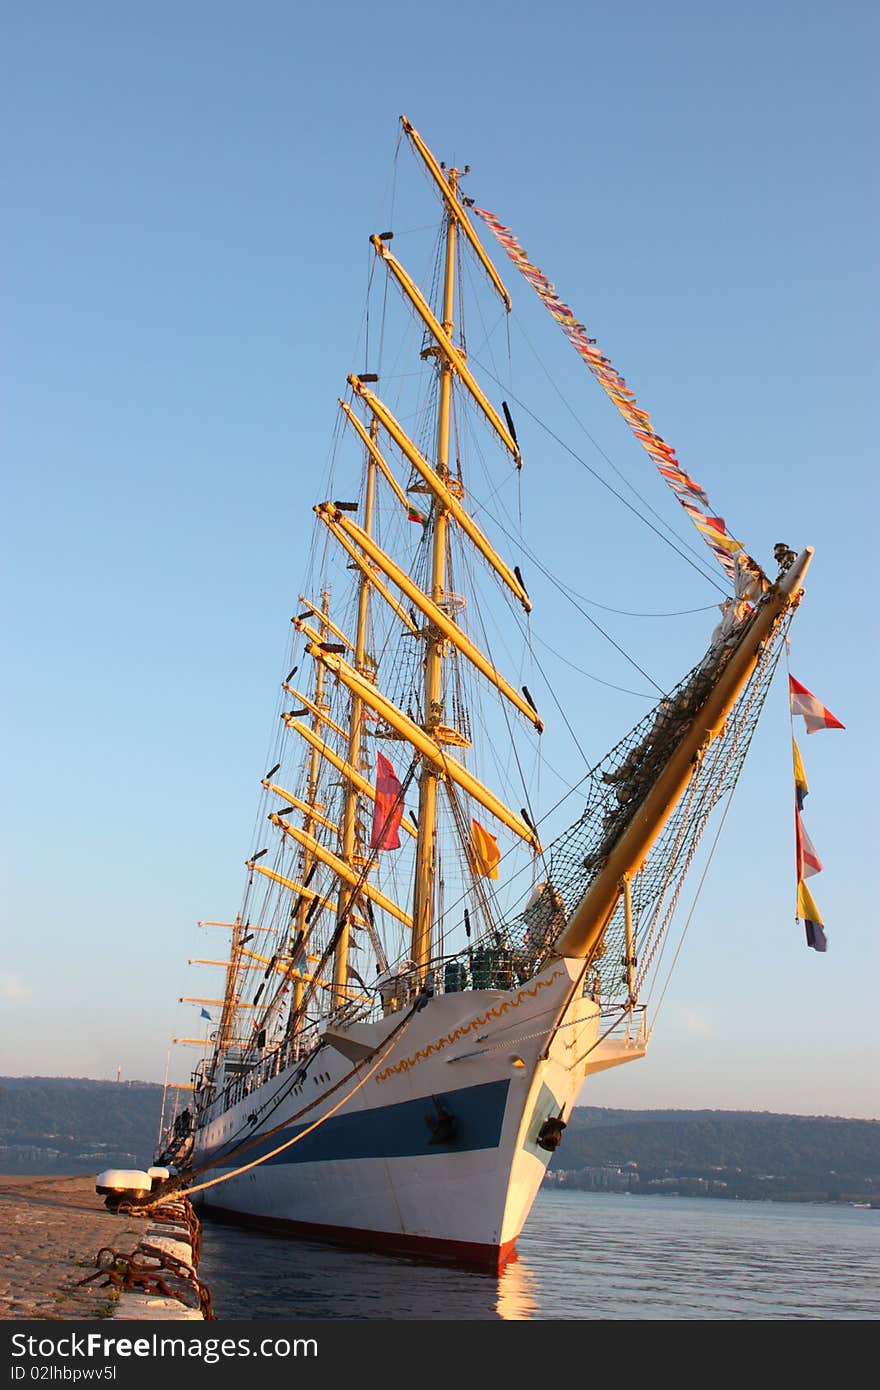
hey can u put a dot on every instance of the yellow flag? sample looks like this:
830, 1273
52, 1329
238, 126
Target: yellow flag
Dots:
800, 779
485, 853
806, 908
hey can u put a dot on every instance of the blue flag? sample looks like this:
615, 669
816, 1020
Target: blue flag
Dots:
206, 1015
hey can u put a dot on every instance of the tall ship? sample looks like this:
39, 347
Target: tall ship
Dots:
433, 953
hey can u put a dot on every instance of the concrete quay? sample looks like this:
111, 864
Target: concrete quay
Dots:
51, 1229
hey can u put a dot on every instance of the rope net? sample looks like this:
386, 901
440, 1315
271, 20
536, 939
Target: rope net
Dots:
616, 787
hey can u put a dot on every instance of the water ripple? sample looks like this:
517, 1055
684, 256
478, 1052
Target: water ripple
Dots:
584, 1256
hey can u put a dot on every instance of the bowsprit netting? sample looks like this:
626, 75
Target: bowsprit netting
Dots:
616, 788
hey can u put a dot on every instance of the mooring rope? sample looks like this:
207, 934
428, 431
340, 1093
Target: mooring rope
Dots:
390, 1043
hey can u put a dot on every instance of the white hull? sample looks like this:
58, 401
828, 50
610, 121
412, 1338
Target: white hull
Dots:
500, 1062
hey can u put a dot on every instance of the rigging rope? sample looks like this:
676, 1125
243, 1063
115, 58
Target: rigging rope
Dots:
611, 464
693, 908
604, 481
563, 590
727, 550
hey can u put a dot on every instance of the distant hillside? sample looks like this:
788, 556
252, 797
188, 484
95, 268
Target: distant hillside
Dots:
65, 1125
59, 1125
721, 1153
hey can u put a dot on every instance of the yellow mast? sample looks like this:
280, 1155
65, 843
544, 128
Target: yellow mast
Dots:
351, 773
586, 927
455, 212
342, 870
423, 900
429, 738
342, 528
431, 748
224, 1032
230, 1001
445, 496
455, 359
319, 709
348, 829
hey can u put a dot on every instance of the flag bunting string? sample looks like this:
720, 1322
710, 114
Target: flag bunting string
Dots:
816, 717
727, 550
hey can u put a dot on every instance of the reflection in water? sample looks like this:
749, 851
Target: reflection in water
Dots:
252, 1274
256, 1275
517, 1291
582, 1255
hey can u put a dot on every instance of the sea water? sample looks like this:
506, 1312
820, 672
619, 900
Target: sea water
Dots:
582, 1255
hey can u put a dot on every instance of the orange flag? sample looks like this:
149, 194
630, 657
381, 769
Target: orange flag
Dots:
485, 853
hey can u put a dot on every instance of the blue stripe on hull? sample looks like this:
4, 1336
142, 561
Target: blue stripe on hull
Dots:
393, 1131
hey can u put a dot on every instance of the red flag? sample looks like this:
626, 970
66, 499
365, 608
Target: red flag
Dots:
808, 861
389, 807
816, 716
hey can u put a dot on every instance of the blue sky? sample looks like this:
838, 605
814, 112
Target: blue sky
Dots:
189, 193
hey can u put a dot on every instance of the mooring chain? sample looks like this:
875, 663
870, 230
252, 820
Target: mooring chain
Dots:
126, 1272
181, 1214
145, 1267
